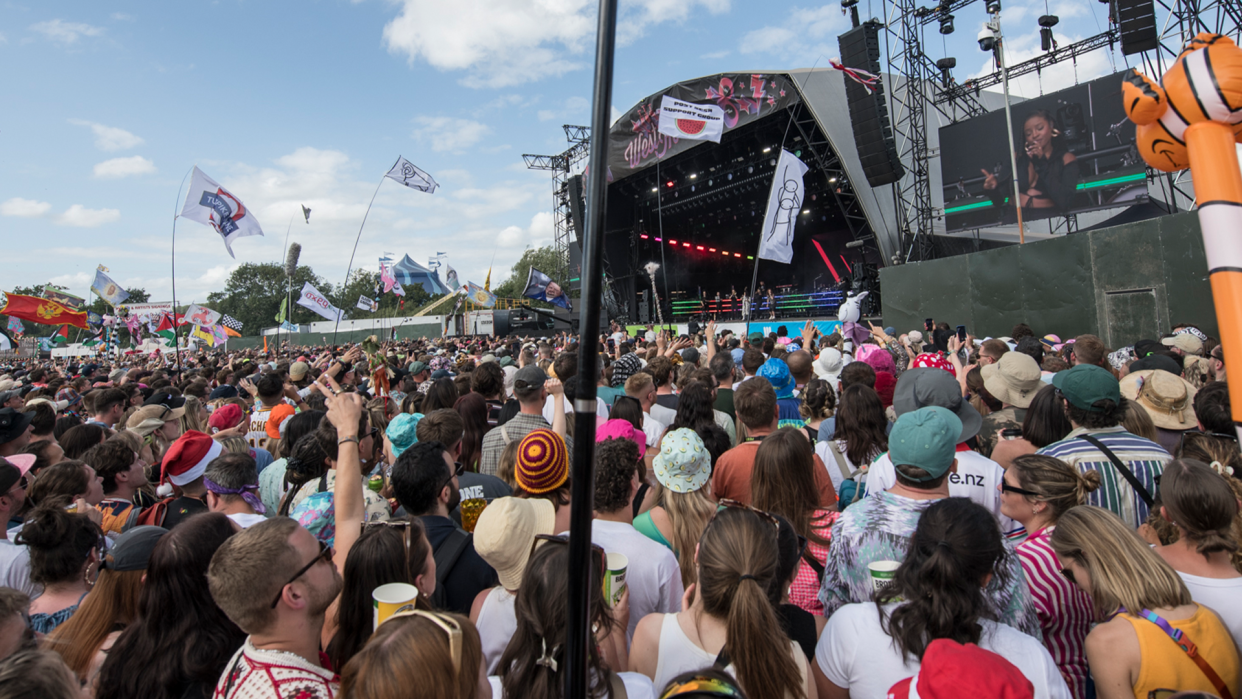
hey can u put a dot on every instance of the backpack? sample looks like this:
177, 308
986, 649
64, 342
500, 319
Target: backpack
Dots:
854, 484
156, 514
446, 556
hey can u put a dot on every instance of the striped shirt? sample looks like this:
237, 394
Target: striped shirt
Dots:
1143, 457
804, 591
1064, 611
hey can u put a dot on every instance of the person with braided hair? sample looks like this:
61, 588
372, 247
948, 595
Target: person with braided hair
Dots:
938, 592
1199, 503
307, 462
1035, 492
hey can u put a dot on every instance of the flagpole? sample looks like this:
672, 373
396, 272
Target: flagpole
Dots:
172, 261
288, 281
660, 224
350, 268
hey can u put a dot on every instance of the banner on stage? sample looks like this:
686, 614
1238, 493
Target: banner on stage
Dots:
108, 290
201, 315
412, 176
697, 122
316, 302
784, 203
212, 205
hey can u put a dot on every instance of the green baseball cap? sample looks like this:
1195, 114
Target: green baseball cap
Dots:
417, 367
755, 336
1086, 384
925, 438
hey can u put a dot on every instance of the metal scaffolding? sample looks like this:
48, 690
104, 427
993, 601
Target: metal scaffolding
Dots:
561, 166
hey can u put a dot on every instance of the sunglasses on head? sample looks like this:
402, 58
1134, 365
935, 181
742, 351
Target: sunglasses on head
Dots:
445, 623
402, 524
325, 552
701, 686
728, 503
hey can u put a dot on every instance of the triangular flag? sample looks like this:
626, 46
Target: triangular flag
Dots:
61, 336
306, 213
487, 283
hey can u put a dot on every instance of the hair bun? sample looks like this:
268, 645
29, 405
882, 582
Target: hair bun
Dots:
47, 526
1089, 482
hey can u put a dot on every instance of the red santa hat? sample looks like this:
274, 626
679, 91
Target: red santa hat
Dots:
186, 460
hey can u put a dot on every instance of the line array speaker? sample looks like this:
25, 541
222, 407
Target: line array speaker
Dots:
1137, 21
873, 134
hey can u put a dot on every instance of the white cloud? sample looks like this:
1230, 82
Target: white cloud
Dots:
572, 106
24, 208
509, 42
63, 32
539, 232
110, 138
124, 167
805, 33
79, 216
449, 133
122, 17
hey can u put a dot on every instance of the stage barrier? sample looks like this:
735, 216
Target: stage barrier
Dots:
1125, 283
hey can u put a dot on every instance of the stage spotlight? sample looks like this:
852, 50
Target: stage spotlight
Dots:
1046, 40
767, 150
670, 184
946, 24
750, 169
994, 7
832, 180
693, 176
655, 189
806, 211
945, 65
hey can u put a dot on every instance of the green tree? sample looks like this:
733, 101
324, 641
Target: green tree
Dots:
254, 291
362, 283
543, 259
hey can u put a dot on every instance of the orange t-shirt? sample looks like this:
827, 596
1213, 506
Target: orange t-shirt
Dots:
732, 473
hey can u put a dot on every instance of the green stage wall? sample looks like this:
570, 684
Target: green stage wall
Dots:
1125, 283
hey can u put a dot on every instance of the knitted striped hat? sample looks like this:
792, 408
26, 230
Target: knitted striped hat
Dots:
542, 462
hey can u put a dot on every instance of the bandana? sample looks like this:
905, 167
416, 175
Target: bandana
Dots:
246, 491
624, 368
933, 361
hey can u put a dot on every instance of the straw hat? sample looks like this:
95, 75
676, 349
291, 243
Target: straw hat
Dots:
1014, 379
1167, 398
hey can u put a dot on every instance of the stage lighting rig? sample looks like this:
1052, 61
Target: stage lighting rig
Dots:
1046, 40
945, 65
946, 24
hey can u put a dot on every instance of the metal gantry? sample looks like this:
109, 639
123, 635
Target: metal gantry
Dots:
561, 165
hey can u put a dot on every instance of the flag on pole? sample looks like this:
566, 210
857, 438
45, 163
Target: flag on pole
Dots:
411, 176
784, 204
231, 323
201, 315
450, 278
366, 304
695, 122
540, 287
37, 310
212, 205
107, 289
318, 303
487, 283
306, 212
61, 336
289, 327
220, 334
284, 309
15, 326
64, 298
478, 295
165, 328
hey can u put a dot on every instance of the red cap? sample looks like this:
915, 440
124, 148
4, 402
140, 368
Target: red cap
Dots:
224, 417
950, 670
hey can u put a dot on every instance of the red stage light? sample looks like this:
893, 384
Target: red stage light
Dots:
670, 184
725, 254
672, 242
686, 244
643, 236
737, 254
711, 249
700, 247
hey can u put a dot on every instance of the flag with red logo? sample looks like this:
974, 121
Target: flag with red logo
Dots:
212, 205
37, 310
695, 122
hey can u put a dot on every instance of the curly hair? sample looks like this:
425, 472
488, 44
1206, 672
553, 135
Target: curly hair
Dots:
616, 461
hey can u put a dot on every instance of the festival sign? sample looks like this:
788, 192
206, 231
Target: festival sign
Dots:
636, 140
147, 310
37, 310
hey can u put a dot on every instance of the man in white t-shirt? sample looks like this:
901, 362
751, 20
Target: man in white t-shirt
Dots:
977, 477
653, 576
14, 558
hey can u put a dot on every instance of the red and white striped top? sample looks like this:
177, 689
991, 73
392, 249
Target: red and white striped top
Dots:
1065, 612
254, 673
804, 591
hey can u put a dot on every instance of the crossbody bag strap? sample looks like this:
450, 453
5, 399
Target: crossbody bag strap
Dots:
836, 454
616, 687
1121, 468
1183, 641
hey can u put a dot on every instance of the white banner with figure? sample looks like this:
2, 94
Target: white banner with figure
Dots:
784, 204
315, 301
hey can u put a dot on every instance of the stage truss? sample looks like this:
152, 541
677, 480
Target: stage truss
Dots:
561, 166
919, 84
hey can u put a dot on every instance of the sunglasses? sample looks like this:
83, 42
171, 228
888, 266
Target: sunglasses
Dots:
458, 469
325, 553
700, 686
727, 503
1006, 488
447, 624
1069, 575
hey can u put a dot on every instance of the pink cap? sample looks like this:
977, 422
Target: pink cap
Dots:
622, 429
23, 462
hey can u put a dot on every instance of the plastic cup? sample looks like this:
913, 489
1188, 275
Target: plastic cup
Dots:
470, 511
882, 573
390, 599
614, 579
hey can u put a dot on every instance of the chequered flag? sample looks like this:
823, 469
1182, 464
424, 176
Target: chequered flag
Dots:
231, 322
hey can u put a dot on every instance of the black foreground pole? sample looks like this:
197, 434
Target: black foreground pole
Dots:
578, 633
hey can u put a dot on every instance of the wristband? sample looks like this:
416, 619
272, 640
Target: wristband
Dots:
339, 442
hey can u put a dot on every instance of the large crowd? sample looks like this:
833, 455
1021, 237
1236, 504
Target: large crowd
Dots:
790, 516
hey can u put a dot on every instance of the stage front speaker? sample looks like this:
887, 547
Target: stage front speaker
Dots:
577, 220
1137, 21
873, 134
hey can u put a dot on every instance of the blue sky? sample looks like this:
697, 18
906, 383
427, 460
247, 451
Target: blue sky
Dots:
109, 104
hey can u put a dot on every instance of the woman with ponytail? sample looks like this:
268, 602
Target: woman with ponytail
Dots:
1035, 492
1200, 504
533, 664
937, 592
730, 624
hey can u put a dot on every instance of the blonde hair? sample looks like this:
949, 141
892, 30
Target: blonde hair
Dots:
190, 420
688, 514
508, 463
409, 658
1138, 422
1201, 503
1124, 570
1218, 454
235, 444
248, 571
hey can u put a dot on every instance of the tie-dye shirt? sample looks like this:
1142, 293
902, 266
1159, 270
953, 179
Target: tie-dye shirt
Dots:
878, 528
1144, 458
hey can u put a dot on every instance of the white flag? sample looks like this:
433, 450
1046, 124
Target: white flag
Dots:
200, 316
212, 205
365, 304
696, 122
312, 299
784, 204
412, 176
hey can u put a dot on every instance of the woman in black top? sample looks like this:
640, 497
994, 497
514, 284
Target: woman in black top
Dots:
1047, 172
799, 625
